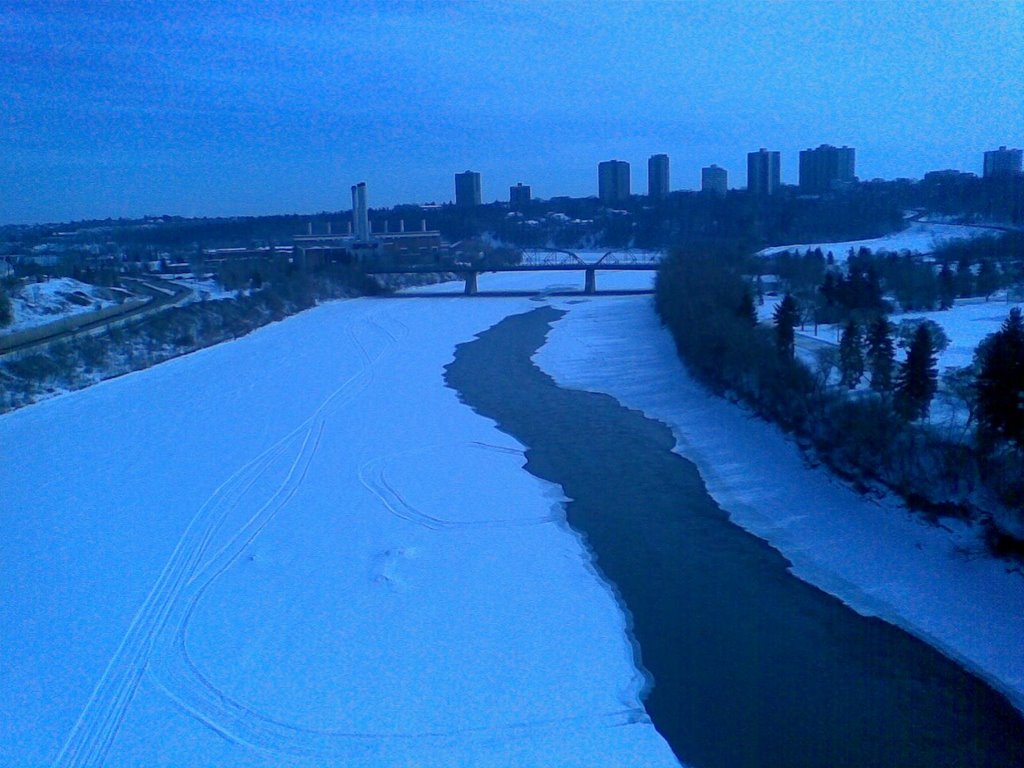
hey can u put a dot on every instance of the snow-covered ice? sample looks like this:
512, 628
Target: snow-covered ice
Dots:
300, 548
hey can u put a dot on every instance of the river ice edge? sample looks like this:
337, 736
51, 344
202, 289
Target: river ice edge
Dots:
937, 582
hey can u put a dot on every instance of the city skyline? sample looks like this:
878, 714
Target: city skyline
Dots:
165, 109
638, 185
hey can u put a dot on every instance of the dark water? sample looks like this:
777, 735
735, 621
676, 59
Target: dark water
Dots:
751, 666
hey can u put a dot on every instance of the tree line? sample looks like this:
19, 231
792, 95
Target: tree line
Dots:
875, 433
870, 283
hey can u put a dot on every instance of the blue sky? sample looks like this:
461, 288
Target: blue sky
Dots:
220, 108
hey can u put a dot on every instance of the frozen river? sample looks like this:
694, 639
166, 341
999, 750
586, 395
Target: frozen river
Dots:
300, 548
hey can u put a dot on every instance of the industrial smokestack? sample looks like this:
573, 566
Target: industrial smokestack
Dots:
328, 227
423, 225
309, 227
401, 225
385, 226
360, 215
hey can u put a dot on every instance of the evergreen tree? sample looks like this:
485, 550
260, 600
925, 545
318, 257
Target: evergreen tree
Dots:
851, 357
829, 288
746, 310
1000, 382
947, 287
918, 377
786, 317
914, 284
881, 355
907, 329
964, 278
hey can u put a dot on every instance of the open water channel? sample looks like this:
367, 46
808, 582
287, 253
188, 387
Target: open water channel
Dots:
749, 665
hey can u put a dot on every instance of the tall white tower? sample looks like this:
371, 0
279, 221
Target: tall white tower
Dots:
360, 217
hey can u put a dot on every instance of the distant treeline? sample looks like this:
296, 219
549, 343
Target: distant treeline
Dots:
686, 217
860, 211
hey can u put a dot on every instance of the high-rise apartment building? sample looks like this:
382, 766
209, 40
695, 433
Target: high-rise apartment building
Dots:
467, 189
714, 180
519, 195
763, 176
1002, 162
826, 167
360, 214
657, 176
613, 181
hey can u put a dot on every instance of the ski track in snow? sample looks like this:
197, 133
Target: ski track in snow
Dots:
373, 476
186, 576
156, 644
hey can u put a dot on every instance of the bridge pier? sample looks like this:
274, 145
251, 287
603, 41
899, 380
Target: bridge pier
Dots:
590, 281
471, 286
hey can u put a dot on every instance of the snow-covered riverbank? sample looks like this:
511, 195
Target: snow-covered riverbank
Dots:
936, 581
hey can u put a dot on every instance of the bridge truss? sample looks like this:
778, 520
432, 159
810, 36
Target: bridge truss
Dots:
557, 257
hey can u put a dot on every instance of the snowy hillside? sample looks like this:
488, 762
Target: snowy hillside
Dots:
205, 289
919, 237
41, 303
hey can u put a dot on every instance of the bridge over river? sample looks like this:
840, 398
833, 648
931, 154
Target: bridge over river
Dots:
546, 260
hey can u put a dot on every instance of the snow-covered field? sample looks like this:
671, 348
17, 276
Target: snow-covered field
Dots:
41, 303
966, 325
299, 548
920, 237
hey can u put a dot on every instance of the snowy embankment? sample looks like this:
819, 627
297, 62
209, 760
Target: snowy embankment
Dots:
937, 581
37, 304
300, 548
919, 237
